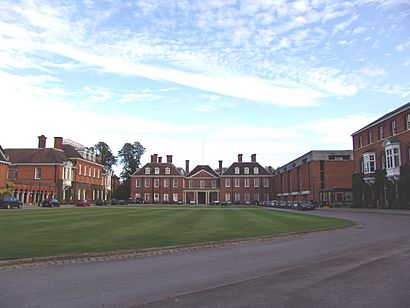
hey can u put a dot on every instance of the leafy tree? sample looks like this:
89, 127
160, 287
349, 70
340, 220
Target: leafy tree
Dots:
130, 157
104, 152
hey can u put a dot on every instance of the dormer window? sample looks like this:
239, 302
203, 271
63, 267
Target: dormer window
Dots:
369, 162
256, 170
246, 170
147, 170
156, 170
236, 170
167, 170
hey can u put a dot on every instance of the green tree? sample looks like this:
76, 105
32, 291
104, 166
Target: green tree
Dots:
104, 152
130, 157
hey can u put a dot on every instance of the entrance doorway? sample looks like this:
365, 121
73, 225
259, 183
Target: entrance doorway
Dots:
201, 197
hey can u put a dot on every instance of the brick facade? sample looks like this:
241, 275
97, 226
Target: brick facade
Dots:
383, 145
319, 176
250, 183
4, 168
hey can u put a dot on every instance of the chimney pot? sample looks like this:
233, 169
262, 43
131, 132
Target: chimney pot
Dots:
240, 158
187, 166
169, 159
160, 159
220, 166
253, 158
155, 158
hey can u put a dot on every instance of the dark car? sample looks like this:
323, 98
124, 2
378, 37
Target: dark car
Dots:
101, 202
83, 203
53, 202
7, 202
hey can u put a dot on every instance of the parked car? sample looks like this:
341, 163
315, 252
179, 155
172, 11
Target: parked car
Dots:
83, 203
101, 202
8, 202
306, 205
53, 202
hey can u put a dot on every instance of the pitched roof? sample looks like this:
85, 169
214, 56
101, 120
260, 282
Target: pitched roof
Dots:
71, 152
206, 168
385, 117
173, 170
242, 165
3, 157
36, 156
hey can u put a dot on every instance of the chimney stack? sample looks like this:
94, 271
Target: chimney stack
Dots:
239, 158
253, 158
58, 143
169, 159
42, 142
155, 158
152, 158
187, 166
220, 166
160, 159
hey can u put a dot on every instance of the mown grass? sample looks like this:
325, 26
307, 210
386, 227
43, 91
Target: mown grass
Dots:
52, 232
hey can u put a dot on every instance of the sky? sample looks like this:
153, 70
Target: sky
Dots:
201, 80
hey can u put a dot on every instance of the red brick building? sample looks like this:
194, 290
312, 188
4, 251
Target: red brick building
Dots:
383, 145
158, 182
68, 171
318, 176
241, 183
4, 168
246, 182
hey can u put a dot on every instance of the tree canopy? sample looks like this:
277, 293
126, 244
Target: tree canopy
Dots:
130, 157
104, 152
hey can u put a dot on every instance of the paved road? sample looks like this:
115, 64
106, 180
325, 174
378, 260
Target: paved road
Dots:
364, 266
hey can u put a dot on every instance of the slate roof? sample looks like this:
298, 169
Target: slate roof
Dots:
36, 156
202, 167
242, 165
71, 152
385, 117
173, 170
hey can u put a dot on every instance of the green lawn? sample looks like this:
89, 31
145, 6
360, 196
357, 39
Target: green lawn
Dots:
51, 232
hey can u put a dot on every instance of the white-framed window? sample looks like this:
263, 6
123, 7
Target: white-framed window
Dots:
137, 196
190, 184
237, 197
175, 183
266, 197
256, 182
147, 183
166, 198
408, 121
255, 170
79, 194
246, 183
37, 173
360, 141
213, 184
383, 161
246, 170
156, 170
89, 171
146, 197
147, 170
236, 170
247, 197
167, 170
256, 197
393, 157
79, 169
156, 183
98, 173
370, 136
227, 182
137, 182
381, 132
237, 182
393, 128
85, 170
369, 163
175, 197
202, 184
156, 197
227, 197
166, 183
265, 182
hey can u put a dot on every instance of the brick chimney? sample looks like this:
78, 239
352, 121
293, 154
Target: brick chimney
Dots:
42, 141
220, 166
169, 159
155, 158
160, 159
187, 166
58, 143
253, 158
240, 158
152, 158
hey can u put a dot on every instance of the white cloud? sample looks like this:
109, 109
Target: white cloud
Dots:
403, 46
373, 71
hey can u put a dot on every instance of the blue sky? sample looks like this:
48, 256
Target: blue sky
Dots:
202, 80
